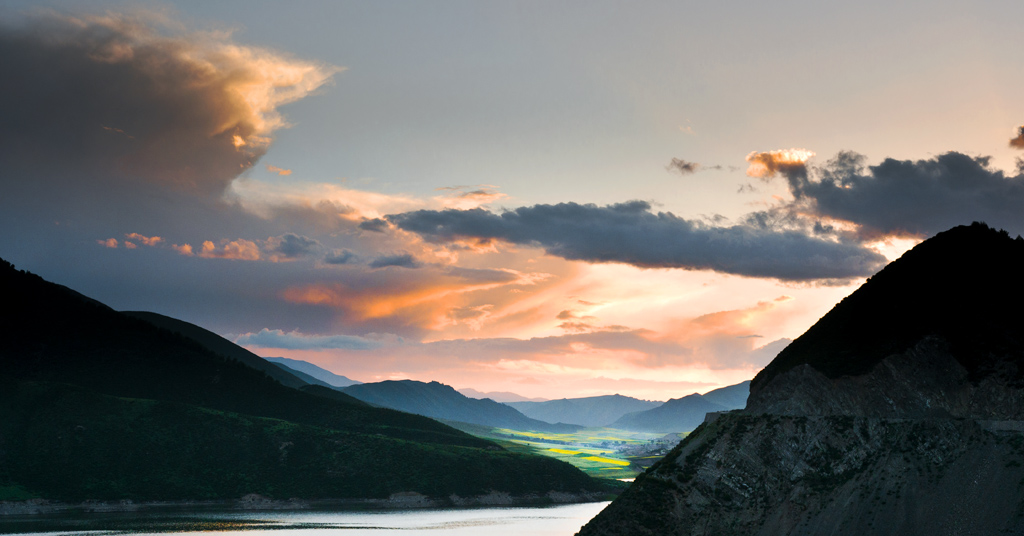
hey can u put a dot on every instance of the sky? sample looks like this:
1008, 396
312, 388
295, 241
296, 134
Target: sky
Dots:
556, 199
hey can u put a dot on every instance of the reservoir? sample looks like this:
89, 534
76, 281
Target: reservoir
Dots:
563, 520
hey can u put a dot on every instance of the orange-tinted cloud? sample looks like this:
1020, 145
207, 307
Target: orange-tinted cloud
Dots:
241, 249
184, 249
109, 243
765, 165
211, 104
1018, 142
144, 240
280, 171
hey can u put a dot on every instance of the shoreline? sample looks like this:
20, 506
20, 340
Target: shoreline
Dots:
252, 501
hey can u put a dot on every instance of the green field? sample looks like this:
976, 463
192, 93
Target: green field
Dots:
596, 451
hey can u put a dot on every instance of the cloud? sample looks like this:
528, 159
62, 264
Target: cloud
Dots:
630, 233
295, 340
291, 246
117, 94
402, 260
343, 256
183, 249
144, 240
280, 171
790, 163
108, 243
1018, 141
375, 225
682, 166
910, 198
462, 198
241, 249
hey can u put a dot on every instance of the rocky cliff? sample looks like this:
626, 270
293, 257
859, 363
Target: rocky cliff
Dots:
899, 412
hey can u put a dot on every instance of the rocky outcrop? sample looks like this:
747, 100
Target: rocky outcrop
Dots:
837, 475
925, 381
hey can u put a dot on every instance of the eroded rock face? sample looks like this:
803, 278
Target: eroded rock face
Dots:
924, 382
837, 475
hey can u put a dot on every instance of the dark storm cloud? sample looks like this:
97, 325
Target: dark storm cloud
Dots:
910, 198
375, 225
402, 260
630, 233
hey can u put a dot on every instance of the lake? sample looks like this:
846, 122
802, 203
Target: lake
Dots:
563, 520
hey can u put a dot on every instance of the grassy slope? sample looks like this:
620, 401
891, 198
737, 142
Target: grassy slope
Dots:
203, 425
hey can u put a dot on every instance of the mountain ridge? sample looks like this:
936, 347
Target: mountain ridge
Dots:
913, 428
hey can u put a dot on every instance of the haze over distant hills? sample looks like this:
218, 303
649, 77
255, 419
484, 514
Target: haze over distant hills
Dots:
307, 368
588, 411
439, 401
901, 411
97, 404
498, 396
686, 413
627, 413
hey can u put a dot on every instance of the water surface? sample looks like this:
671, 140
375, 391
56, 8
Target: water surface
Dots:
564, 520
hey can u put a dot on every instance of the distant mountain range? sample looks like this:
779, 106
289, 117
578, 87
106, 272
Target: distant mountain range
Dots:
901, 411
589, 411
97, 404
627, 413
499, 396
686, 413
308, 370
439, 401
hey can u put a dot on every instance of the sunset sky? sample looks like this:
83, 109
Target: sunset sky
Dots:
557, 199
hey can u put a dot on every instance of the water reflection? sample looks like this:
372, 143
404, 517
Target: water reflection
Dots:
548, 521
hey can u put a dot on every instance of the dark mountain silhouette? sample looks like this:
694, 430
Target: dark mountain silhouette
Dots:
96, 404
304, 377
218, 345
309, 369
588, 411
439, 401
899, 412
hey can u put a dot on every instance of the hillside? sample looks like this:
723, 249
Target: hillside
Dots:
218, 345
96, 404
676, 415
686, 413
439, 401
899, 412
588, 411
307, 368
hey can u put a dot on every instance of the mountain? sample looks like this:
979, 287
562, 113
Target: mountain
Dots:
97, 404
589, 411
676, 415
218, 345
498, 396
731, 397
310, 369
686, 413
439, 401
898, 412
